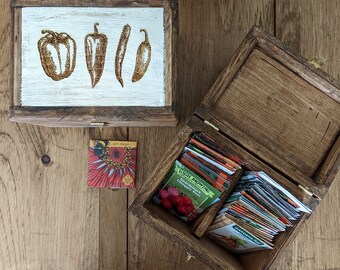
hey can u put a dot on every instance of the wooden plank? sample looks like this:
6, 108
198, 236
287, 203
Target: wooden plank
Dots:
312, 28
49, 218
113, 229
90, 3
86, 116
112, 214
209, 32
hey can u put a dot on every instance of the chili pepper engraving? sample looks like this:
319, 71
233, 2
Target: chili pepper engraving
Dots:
120, 53
143, 58
95, 53
51, 48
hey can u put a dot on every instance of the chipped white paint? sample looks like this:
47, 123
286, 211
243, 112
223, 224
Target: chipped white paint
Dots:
37, 89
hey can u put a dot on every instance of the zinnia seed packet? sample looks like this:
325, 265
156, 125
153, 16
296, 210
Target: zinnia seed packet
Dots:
112, 164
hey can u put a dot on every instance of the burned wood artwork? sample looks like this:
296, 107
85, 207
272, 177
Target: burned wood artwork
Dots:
86, 56
120, 53
57, 62
95, 53
143, 58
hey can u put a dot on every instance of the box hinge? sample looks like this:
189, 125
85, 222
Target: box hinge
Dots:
212, 125
189, 257
99, 125
307, 191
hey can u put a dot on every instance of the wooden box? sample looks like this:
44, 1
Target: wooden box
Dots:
277, 113
115, 68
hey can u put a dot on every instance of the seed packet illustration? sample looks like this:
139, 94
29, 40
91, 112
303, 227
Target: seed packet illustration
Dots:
112, 164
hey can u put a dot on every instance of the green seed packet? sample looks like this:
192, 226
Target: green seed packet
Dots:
185, 193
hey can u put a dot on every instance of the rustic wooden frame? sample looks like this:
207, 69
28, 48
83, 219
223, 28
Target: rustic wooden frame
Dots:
130, 116
174, 229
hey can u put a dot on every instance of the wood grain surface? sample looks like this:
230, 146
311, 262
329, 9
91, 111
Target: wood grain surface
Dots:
112, 214
49, 219
312, 28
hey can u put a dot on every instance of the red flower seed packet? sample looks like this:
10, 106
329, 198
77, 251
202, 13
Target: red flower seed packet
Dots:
112, 164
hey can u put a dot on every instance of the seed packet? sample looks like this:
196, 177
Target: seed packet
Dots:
112, 164
185, 193
235, 238
259, 205
214, 148
217, 180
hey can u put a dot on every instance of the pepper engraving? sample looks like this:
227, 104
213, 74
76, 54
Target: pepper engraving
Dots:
120, 53
57, 54
95, 53
143, 58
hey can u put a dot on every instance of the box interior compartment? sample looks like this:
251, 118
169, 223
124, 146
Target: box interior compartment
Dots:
221, 256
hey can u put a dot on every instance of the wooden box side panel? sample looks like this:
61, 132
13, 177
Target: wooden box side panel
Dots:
173, 228
95, 116
330, 166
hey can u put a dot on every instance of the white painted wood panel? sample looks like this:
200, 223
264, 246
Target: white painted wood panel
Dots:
37, 89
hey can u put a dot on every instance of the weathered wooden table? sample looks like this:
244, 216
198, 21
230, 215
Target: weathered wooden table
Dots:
49, 219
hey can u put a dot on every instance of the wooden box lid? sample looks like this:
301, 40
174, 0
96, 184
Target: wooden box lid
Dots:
117, 68
279, 108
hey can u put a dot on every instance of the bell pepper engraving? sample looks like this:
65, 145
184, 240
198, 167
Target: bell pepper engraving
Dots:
95, 53
57, 54
143, 58
120, 53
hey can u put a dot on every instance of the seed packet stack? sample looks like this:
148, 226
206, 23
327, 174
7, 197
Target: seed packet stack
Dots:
257, 210
197, 179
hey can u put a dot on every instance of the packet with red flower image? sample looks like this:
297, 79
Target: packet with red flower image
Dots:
112, 164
